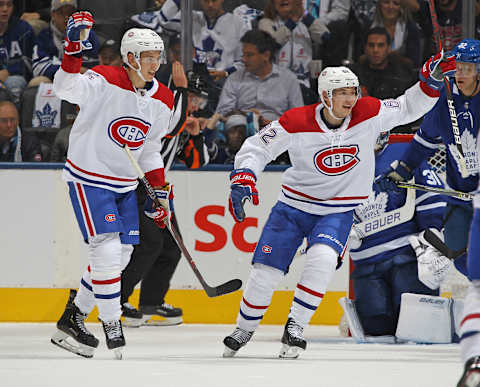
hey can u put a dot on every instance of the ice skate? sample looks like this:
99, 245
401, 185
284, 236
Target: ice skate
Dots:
169, 314
471, 374
72, 335
132, 317
292, 340
114, 337
235, 341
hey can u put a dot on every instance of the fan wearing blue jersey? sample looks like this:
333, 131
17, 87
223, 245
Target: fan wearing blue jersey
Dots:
119, 106
331, 148
435, 130
385, 263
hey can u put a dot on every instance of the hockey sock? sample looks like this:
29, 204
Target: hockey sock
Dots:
126, 254
470, 324
257, 295
317, 273
85, 300
105, 254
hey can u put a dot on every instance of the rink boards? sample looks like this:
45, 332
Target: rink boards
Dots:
42, 251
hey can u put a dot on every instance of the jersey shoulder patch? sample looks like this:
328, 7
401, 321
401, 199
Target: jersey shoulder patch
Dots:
300, 119
115, 75
165, 95
364, 109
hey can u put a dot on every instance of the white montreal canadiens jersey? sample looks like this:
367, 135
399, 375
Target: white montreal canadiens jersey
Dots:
332, 170
112, 114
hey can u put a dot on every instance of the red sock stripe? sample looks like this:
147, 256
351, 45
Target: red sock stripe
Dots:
310, 291
253, 306
106, 282
469, 317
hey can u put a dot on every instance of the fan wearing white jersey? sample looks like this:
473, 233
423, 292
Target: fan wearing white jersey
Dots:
331, 148
119, 105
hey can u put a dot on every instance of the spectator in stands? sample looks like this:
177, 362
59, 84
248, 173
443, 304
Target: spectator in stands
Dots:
235, 132
16, 145
285, 21
378, 75
216, 36
109, 53
449, 14
48, 51
34, 12
261, 84
395, 17
16, 47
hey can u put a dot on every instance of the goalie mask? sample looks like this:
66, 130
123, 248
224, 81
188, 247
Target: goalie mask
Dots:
332, 78
198, 87
138, 40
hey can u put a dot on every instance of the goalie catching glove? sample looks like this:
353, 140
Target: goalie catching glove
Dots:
242, 188
161, 215
79, 23
433, 267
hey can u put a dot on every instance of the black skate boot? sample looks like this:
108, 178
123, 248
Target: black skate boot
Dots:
235, 341
471, 374
114, 336
292, 340
169, 314
132, 317
71, 326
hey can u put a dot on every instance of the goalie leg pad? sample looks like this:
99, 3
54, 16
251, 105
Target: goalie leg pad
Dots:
425, 319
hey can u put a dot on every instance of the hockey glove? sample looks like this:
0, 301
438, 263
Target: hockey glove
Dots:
436, 68
161, 215
433, 267
242, 189
398, 171
354, 238
78, 29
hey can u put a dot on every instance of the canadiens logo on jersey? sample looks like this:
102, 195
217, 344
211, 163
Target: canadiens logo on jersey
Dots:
334, 161
128, 130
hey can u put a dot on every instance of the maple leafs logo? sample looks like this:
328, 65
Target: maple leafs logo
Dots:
469, 148
373, 207
46, 117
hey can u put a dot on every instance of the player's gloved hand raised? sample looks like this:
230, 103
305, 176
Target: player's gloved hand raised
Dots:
242, 189
398, 171
433, 267
437, 67
161, 215
78, 29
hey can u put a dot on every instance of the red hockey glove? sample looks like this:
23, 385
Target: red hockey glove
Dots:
436, 68
78, 29
161, 215
242, 189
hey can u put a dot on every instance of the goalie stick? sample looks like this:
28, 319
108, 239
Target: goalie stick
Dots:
438, 244
448, 91
227, 287
442, 191
388, 219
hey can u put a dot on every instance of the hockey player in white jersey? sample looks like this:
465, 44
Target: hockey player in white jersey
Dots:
118, 106
331, 148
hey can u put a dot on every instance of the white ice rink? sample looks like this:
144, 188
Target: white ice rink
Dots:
190, 355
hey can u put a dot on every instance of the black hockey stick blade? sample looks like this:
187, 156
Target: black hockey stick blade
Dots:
227, 287
437, 243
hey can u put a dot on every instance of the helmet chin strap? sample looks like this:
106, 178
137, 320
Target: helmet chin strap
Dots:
138, 71
330, 108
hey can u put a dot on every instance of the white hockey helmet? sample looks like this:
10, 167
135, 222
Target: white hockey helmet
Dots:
137, 40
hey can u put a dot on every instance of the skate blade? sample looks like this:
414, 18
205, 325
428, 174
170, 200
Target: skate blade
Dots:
288, 352
117, 352
134, 322
157, 321
228, 352
64, 341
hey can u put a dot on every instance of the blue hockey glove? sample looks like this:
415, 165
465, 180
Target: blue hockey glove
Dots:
75, 43
161, 215
398, 171
242, 189
437, 67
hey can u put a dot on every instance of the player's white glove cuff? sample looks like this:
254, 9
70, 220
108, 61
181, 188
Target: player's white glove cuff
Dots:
354, 238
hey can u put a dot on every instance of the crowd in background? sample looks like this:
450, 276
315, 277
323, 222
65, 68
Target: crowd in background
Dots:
256, 58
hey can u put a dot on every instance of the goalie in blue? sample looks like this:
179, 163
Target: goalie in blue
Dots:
396, 260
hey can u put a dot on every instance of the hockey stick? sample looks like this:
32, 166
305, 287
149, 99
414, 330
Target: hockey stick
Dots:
451, 106
438, 244
388, 219
227, 287
442, 191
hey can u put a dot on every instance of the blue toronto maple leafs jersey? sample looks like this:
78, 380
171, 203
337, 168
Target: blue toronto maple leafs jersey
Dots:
429, 211
437, 129
16, 46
